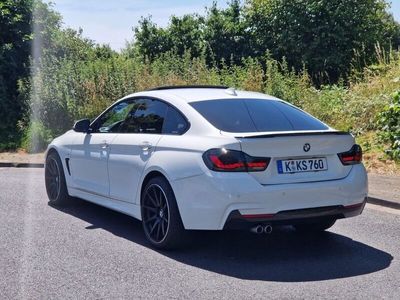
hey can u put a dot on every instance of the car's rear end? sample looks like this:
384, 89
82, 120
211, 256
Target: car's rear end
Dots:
309, 175
291, 169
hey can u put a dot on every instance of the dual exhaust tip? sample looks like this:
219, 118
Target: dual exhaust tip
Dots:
262, 229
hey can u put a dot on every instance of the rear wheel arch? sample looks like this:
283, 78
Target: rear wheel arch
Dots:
147, 178
158, 208
153, 174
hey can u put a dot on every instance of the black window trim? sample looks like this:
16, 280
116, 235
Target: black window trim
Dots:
136, 98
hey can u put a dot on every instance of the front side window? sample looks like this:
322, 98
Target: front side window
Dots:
112, 120
255, 115
141, 116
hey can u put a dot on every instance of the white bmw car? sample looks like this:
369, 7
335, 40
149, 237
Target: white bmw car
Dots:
209, 158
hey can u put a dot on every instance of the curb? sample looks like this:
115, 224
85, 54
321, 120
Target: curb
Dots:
21, 165
382, 202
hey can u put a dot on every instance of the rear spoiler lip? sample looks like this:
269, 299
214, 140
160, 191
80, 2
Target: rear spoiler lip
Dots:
302, 133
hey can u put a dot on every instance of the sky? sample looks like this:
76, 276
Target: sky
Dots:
111, 21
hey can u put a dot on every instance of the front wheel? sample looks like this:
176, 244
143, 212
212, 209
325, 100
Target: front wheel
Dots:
161, 220
56, 187
315, 226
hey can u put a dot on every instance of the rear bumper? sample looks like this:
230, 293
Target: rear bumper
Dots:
236, 220
211, 200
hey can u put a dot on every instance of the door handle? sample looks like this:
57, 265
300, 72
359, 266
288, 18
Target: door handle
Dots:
146, 146
104, 145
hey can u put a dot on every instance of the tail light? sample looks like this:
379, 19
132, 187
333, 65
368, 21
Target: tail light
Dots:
224, 160
351, 157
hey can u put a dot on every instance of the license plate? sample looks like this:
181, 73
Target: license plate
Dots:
302, 165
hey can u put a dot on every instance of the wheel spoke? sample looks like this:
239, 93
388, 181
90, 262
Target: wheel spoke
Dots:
154, 226
49, 170
151, 219
52, 168
152, 209
158, 229
160, 198
163, 226
156, 197
152, 199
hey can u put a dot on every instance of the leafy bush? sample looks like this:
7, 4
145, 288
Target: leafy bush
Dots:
328, 105
389, 120
69, 89
36, 137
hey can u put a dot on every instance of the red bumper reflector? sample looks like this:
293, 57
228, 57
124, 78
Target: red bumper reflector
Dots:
259, 216
354, 205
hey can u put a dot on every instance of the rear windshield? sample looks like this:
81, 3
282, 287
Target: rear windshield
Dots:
255, 115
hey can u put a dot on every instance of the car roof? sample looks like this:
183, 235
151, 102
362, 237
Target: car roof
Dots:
193, 94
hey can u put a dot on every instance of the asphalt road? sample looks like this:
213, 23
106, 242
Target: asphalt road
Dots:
85, 251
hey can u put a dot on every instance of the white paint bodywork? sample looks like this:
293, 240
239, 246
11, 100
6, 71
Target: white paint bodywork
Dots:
109, 168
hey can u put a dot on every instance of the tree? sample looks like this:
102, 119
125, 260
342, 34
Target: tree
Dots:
323, 34
225, 33
150, 40
186, 33
15, 38
221, 34
46, 103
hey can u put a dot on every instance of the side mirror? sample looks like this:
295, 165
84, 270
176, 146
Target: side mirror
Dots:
82, 126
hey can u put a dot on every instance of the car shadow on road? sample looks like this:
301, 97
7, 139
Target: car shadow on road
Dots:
283, 256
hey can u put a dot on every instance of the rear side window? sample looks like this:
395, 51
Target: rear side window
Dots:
174, 122
148, 117
255, 115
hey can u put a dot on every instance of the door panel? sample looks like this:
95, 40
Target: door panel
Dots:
129, 154
89, 155
88, 162
132, 149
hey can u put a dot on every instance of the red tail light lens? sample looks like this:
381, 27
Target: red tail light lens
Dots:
351, 157
223, 160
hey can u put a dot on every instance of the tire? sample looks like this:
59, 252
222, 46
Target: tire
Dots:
161, 220
56, 187
315, 226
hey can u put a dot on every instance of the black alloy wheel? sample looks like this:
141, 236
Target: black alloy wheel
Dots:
162, 223
155, 213
53, 179
56, 187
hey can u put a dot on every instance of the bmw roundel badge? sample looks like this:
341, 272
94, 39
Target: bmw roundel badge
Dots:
306, 147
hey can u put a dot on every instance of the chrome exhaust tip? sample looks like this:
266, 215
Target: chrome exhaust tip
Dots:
267, 229
257, 229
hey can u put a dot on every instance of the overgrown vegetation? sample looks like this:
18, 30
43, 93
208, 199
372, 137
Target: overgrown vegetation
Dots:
389, 119
15, 37
343, 74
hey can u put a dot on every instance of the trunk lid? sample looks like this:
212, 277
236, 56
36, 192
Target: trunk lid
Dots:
287, 146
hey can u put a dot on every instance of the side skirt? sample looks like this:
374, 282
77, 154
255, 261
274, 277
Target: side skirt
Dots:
126, 208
